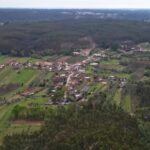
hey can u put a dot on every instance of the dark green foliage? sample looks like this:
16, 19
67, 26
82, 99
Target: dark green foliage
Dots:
81, 128
145, 134
147, 73
8, 88
143, 114
29, 113
143, 91
140, 90
62, 37
58, 95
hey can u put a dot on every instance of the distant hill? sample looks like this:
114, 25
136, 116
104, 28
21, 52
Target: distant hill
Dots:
26, 32
62, 37
25, 15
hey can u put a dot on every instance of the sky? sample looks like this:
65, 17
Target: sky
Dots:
75, 4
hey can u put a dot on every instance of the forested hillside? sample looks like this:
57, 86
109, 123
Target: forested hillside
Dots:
62, 37
96, 126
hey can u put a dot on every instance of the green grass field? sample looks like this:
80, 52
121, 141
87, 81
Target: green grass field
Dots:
110, 62
75, 59
5, 114
5, 59
8, 127
21, 77
23, 127
8, 75
38, 100
95, 89
127, 104
4, 74
117, 97
90, 70
24, 77
123, 75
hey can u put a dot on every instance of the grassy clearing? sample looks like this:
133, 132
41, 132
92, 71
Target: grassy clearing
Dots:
25, 59
117, 97
4, 118
75, 59
4, 74
127, 105
21, 77
95, 88
123, 75
112, 67
110, 62
90, 71
52, 58
49, 77
42, 92
38, 100
22, 127
3, 59
8, 75
6, 127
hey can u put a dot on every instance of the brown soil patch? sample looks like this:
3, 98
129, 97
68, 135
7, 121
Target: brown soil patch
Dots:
63, 59
28, 122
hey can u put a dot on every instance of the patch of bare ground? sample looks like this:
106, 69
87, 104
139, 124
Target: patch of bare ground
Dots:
63, 58
28, 122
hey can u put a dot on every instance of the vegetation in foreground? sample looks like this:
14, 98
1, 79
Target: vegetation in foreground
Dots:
94, 125
22, 114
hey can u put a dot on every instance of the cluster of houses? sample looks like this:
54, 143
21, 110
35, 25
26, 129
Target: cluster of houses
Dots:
69, 75
82, 52
75, 78
43, 65
129, 46
72, 77
56, 66
121, 81
13, 63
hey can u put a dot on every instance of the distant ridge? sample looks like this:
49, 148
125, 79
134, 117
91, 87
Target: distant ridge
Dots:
38, 14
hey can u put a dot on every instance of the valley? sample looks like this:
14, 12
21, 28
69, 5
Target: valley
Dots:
31, 84
74, 79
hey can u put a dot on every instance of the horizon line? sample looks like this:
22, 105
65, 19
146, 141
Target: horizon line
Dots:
75, 8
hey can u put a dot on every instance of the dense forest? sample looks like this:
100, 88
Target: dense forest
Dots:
94, 125
46, 32
61, 37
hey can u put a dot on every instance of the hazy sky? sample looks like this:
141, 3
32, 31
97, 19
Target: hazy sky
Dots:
75, 3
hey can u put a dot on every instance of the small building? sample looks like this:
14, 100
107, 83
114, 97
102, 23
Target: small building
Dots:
104, 83
2, 66
87, 78
27, 93
94, 64
76, 53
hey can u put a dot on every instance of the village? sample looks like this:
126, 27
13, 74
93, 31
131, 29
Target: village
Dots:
72, 78
72, 82
34, 87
